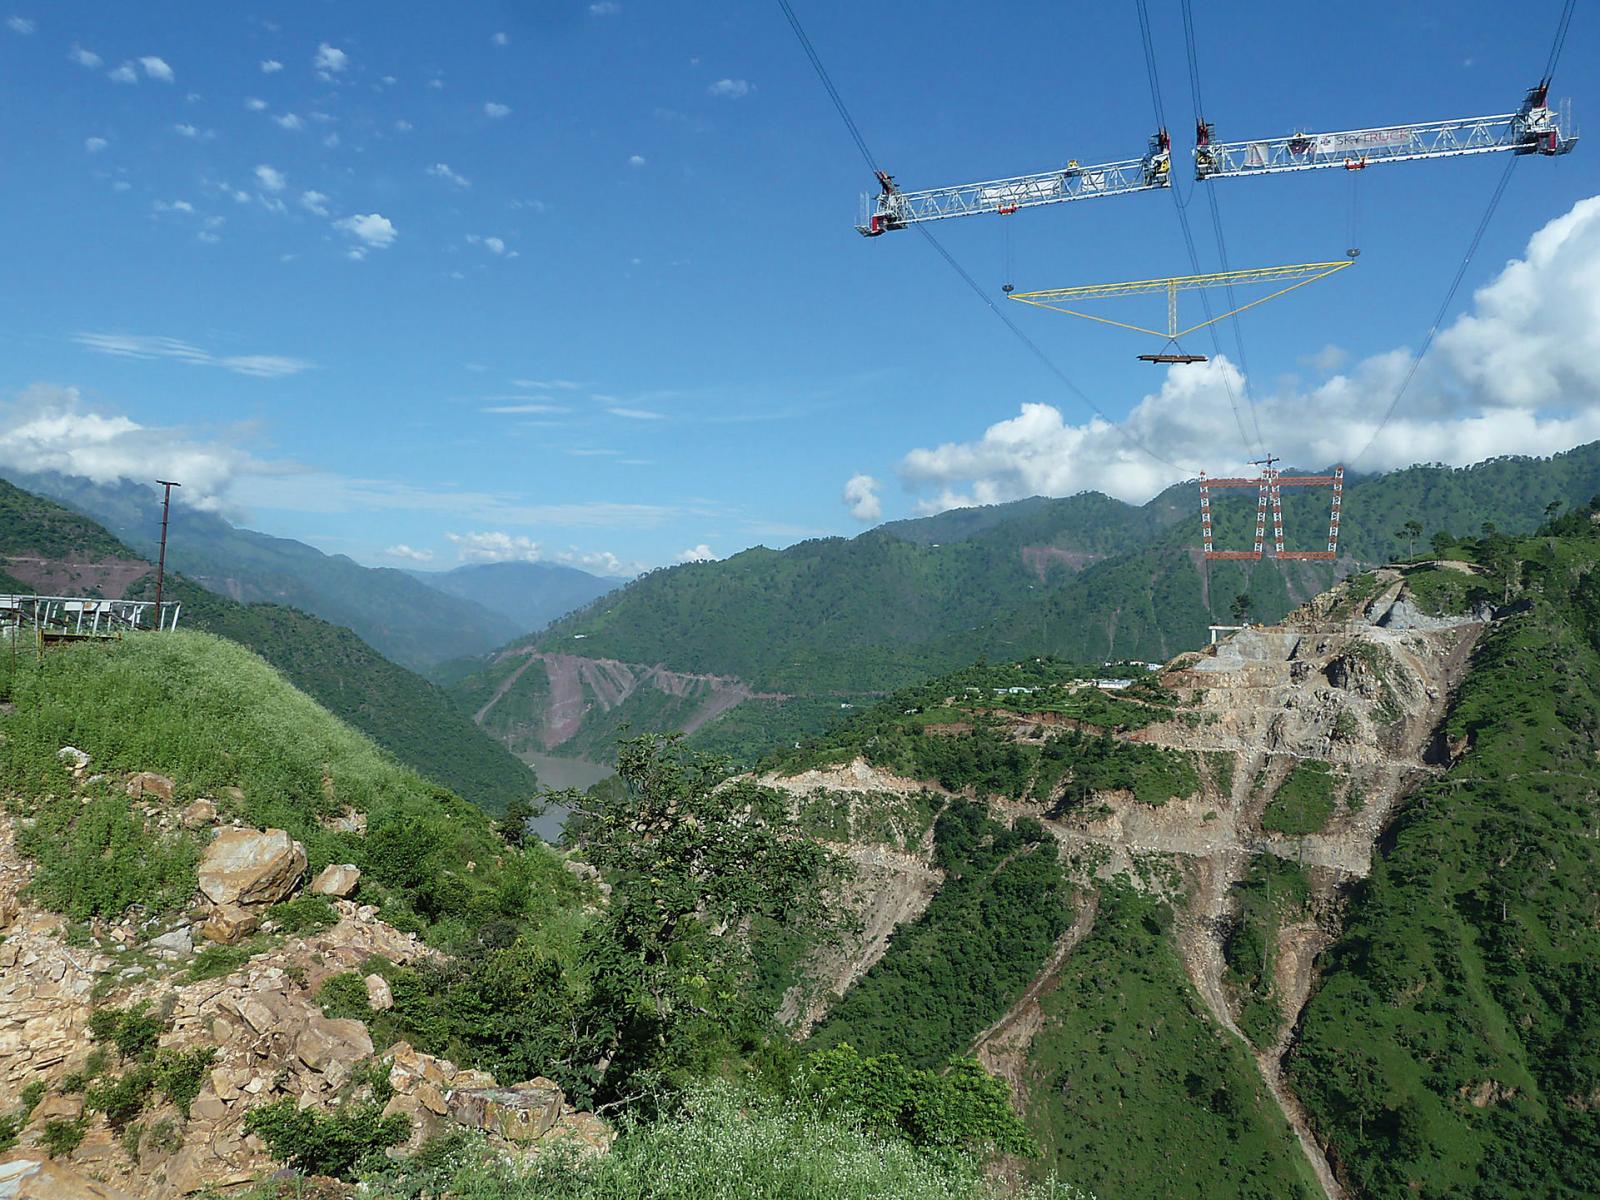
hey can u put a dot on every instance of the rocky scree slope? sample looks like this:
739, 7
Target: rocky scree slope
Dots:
1198, 890
226, 1043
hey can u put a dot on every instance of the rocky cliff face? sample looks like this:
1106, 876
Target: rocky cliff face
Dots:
255, 1033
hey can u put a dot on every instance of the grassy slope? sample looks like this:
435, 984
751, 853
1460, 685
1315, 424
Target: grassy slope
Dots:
213, 716
409, 717
1468, 967
1134, 1090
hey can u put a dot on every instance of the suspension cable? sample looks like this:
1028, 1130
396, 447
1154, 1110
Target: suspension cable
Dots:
977, 289
1444, 307
1560, 40
1153, 73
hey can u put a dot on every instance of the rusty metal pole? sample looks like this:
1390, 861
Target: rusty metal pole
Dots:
161, 562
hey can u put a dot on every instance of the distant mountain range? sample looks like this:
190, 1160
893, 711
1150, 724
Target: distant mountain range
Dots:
48, 548
528, 594
418, 619
829, 622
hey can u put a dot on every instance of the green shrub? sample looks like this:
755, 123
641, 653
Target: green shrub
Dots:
62, 1136
121, 1098
213, 962
11, 1123
333, 1143
962, 1107
306, 913
1303, 802
99, 858
345, 995
133, 1030
180, 1074
719, 1143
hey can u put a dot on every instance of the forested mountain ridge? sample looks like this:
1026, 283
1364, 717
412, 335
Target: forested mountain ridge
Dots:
48, 547
835, 621
405, 620
1309, 914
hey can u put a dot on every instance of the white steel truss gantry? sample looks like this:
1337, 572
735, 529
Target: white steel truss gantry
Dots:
893, 208
1534, 128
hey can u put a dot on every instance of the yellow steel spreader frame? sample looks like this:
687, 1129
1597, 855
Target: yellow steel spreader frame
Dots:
1295, 276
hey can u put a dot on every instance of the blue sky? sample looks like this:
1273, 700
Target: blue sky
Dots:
578, 281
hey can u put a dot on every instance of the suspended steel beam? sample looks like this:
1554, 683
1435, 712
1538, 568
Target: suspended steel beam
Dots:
893, 208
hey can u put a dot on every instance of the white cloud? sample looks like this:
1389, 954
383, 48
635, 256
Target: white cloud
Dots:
495, 546
1330, 358
403, 126
179, 206
637, 414
84, 58
156, 68
255, 105
314, 202
443, 171
636, 160
861, 498
527, 409
270, 66
123, 74
700, 553
605, 8
731, 89
501, 39
290, 121
330, 60
494, 245
139, 346
95, 144
1519, 373
21, 25
50, 429
187, 131
372, 230
494, 109
270, 178
401, 550
557, 385
331, 140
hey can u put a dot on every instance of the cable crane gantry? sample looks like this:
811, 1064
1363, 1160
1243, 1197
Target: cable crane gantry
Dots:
1065, 300
1535, 128
893, 208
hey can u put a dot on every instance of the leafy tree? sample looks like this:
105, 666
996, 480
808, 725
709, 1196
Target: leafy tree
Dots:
1240, 608
693, 858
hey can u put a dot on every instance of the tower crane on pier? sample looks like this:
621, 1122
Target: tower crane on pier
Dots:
893, 208
1535, 128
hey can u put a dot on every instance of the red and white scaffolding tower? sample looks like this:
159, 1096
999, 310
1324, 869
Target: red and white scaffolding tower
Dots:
1269, 487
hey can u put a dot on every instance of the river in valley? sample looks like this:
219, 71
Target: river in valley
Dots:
558, 772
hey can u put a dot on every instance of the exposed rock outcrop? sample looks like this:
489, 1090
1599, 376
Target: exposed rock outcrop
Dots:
251, 866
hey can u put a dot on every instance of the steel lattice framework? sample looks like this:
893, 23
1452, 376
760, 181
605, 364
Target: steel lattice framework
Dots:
896, 209
1269, 486
1294, 276
1532, 129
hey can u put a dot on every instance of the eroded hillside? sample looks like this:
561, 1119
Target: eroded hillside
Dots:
1203, 827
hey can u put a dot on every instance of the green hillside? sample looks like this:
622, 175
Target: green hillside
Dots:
405, 620
409, 717
1453, 1047
214, 717
1085, 578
